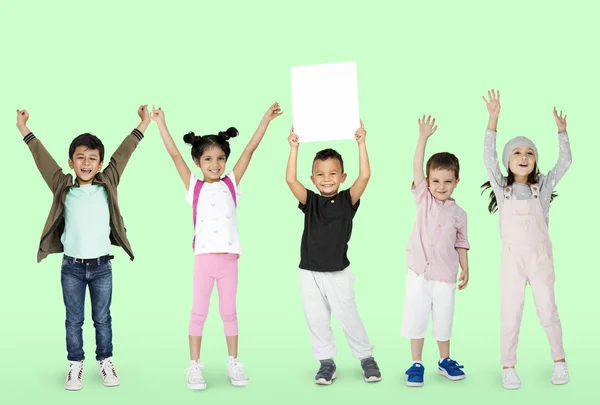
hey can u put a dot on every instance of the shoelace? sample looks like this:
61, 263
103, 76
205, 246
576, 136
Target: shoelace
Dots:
238, 367
76, 368
196, 367
107, 366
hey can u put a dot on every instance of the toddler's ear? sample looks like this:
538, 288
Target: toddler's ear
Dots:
70, 163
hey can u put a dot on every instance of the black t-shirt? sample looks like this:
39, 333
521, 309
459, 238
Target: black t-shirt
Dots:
327, 231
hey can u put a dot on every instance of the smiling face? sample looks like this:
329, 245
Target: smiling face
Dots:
521, 162
212, 163
327, 176
442, 183
86, 163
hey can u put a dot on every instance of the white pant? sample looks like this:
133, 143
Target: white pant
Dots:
324, 293
424, 299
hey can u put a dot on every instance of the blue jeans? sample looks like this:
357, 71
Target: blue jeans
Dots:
75, 277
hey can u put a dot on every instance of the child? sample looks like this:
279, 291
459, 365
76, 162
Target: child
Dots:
216, 242
522, 200
437, 245
84, 221
326, 280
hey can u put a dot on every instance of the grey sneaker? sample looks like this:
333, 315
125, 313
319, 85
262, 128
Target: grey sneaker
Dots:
74, 380
327, 373
370, 370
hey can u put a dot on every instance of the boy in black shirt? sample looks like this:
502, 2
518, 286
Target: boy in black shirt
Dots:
326, 280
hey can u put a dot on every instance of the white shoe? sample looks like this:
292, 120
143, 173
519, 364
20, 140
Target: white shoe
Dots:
195, 381
510, 379
236, 374
560, 374
108, 373
74, 380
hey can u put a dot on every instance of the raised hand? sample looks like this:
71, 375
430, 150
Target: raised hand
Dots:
143, 113
493, 104
273, 112
158, 115
561, 122
293, 139
22, 117
360, 133
426, 127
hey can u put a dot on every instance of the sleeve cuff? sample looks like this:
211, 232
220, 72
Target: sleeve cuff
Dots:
490, 132
138, 134
28, 138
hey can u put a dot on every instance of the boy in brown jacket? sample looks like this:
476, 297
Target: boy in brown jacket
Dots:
84, 221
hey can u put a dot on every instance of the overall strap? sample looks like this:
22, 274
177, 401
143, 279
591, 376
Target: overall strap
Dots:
197, 187
507, 191
535, 190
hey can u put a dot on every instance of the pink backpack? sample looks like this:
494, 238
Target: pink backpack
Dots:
197, 187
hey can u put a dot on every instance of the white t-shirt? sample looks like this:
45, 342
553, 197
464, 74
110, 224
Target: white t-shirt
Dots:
216, 220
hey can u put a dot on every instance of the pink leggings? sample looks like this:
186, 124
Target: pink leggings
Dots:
224, 269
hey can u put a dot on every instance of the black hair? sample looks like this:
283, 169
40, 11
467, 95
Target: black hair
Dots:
443, 161
329, 154
532, 178
201, 143
89, 141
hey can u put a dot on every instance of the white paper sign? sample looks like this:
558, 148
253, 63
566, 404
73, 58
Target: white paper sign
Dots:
325, 101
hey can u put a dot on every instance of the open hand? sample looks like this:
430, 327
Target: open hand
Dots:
464, 280
493, 105
426, 127
360, 133
273, 112
144, 113
158, 115
293, 139
561, 122
22, 117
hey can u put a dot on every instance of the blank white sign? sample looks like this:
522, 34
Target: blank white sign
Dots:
325, 101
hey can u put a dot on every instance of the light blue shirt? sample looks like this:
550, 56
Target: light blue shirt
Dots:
87, 222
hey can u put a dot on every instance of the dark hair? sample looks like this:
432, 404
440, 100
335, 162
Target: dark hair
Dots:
89, 141
531, 179
329, 154
201, 143
443, 161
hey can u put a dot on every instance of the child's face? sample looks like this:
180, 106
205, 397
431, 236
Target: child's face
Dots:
521, 161
86, 163
212, 163
327, 176
442, 183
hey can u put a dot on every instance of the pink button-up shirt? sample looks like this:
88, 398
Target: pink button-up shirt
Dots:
439, 228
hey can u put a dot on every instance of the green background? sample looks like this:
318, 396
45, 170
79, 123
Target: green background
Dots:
81, 66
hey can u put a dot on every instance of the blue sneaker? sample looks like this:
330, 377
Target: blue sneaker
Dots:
451, 369
415, 375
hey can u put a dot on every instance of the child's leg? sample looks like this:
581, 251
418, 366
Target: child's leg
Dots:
416, 313
541, 279
100, 295
443, 315
227, 283
203, 285
339, 290
74, 284
512, 299
318, 314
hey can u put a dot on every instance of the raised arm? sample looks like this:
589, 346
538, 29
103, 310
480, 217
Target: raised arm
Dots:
490, 155
364, 172
564, 151
240, 167
291, 178
426, 128
51, 172
182, 168
119, 159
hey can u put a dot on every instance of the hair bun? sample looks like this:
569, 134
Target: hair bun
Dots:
230, 133
190, 138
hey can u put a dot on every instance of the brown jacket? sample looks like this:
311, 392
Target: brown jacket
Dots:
60, 183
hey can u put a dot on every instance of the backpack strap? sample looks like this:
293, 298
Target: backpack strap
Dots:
197, 187
227, 180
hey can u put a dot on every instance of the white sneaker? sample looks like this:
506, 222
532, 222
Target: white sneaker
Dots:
510, 379
74, 380
560, 374
236, 373
195, 381
108, 372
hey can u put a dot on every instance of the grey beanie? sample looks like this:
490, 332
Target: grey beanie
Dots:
516, 143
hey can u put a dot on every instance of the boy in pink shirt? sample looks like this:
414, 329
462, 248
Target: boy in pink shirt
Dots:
437, 245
